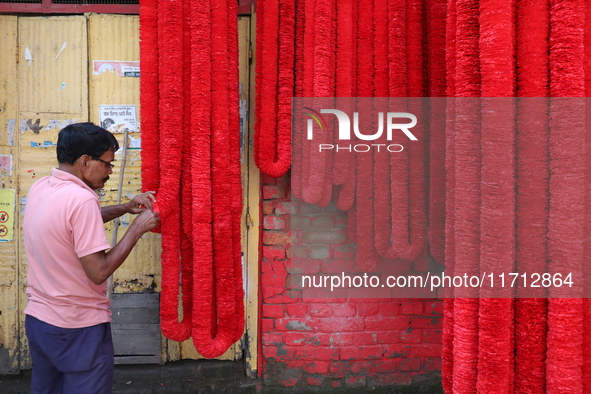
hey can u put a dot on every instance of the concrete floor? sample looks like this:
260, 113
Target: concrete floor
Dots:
206, 376
201, 376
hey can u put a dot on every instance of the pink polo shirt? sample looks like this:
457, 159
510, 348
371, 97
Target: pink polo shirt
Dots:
63, 223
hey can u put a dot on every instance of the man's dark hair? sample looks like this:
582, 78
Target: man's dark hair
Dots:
80, 139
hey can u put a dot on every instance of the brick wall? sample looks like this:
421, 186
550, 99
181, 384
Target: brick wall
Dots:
334, 343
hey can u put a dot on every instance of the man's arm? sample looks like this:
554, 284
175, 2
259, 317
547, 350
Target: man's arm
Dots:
136, 205
100, 265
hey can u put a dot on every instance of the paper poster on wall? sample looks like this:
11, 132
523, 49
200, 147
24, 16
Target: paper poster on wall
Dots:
122, 68
6, 164
6, 214
116, 118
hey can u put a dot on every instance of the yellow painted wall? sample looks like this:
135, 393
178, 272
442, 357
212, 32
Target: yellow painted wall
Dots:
9, 290
47, 80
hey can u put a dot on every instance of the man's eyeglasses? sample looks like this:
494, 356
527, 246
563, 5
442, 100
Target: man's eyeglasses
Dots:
107, 163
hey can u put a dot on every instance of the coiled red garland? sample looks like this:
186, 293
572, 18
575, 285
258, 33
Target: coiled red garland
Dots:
194, 164
274, 68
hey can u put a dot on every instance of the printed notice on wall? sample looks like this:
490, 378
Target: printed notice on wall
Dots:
6, 214
121, 68
117, 118
6, 164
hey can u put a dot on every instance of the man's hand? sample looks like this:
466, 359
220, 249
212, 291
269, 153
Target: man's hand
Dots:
146, 220
141, 202
100, 265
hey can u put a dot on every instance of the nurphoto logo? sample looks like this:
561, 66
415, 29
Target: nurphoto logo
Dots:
391, 122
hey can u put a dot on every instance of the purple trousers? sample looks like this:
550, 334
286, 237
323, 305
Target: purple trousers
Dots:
70, 360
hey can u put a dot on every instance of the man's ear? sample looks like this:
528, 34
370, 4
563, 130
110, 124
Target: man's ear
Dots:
83, 162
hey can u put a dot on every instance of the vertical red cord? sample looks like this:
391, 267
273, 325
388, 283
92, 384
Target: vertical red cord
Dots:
447, 358
275, 81
567, 186
149, 95
171, 109
467, 196
364, 187
436, 52
346, 77
297, 142
587, 245
532, 197
234, 168
497, 249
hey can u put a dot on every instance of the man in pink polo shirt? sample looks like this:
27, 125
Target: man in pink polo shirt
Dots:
67, 315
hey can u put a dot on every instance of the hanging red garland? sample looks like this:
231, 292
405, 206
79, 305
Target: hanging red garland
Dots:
467, 196
275, 82
366, 258
149, 98
234, 170
318, 187
298, 138
171, 109
436, 27
532, 197
345, 76
447, 337
587, 245
209, 276
497, 239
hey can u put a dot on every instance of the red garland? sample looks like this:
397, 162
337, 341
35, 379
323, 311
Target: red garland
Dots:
467, 196
364, 184
532, 197
497, 240
447, 357
346, 75
447, 340
213, 298
297, 142
343, 77
149, 95
587, 245
410, 239
436, 25
234, 168
214, 329
171, 109
405, 172
275, 60
317, 188
567, 193
381, 165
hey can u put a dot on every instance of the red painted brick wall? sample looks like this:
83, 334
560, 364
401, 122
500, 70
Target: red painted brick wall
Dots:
334, 343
